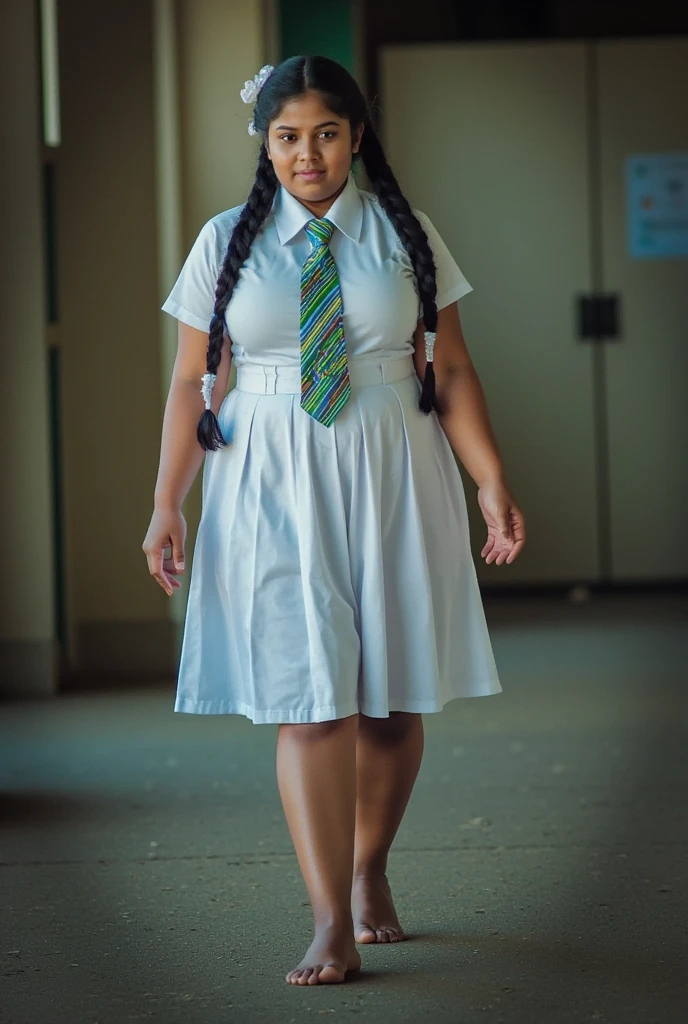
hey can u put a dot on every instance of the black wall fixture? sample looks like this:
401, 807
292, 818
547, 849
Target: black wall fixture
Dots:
598, 316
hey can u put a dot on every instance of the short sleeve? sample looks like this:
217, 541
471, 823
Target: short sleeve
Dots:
192, 299
451, 284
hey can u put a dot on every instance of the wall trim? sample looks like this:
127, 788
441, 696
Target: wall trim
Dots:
28, 668
143, 648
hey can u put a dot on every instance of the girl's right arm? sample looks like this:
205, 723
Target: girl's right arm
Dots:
181, 455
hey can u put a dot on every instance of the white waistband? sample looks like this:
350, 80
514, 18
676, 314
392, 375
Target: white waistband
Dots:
276, 380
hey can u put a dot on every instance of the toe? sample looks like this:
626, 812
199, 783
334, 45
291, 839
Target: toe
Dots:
330, 973
305, 975
365, 934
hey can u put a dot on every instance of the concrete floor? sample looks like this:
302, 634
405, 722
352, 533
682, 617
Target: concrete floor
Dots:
540, 872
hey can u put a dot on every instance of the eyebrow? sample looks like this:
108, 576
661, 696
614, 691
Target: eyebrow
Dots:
289, 129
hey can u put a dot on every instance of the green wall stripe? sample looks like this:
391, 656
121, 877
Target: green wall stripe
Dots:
322, 29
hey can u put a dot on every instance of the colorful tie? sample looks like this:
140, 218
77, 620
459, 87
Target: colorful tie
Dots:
325, 384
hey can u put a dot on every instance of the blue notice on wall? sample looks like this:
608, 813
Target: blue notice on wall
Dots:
657, 196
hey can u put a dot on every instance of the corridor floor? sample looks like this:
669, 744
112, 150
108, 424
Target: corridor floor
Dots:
540, 873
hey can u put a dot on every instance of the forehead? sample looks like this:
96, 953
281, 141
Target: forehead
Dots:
307, 109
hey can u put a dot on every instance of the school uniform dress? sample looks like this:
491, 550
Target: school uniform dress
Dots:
332, 570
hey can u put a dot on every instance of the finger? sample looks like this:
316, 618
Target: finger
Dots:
500, 550
166, 567
489, 544
177, 552
519, 528
517, 547
153, 563
171, 584
160, 561
159, 570
511, 554
162, 580
168, 572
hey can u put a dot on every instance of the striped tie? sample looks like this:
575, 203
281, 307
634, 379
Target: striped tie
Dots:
325, 384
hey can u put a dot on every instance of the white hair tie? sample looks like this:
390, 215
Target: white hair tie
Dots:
208, 380
429, 345
252, 87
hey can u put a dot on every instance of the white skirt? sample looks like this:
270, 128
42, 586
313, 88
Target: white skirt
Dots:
332, 571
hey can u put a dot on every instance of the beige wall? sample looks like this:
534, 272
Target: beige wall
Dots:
109, 325
26, 588
220, 45
154, 142
120, 223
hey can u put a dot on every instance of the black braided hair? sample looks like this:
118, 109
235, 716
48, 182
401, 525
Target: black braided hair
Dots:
253, 214
413, 238
342, 96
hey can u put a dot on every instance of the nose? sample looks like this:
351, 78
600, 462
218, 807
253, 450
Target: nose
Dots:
309, 150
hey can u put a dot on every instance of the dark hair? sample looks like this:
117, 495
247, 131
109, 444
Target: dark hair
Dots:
342, 96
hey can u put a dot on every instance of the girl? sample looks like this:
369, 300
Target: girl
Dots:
333, 590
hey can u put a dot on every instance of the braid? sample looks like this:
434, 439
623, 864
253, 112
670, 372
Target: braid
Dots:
413, 238
253, 214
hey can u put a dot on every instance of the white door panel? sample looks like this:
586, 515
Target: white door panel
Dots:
491, 142
643, 86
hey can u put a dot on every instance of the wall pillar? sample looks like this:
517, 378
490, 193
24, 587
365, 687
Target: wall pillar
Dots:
27, 620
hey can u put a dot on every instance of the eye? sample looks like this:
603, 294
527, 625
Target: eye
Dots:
290, 135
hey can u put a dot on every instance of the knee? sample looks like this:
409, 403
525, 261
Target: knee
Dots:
313, 732
394, 729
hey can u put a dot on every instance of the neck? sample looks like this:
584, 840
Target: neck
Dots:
320, 207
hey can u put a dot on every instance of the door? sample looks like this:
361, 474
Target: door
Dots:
491, 141
643, 86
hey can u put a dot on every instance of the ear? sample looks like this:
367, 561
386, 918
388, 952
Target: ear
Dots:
357, 138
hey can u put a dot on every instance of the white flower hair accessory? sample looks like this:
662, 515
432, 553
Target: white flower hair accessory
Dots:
252, 87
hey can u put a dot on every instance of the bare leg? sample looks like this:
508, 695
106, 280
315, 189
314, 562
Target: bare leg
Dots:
316, 777
388, 756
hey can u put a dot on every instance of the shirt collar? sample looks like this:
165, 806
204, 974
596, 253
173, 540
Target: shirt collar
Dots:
346, 212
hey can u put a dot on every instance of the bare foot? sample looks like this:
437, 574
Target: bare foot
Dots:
375, 919
331, 954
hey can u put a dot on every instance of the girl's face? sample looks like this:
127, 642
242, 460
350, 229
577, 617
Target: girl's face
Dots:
307, 136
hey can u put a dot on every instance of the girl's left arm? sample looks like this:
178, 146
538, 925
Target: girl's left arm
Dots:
465, 420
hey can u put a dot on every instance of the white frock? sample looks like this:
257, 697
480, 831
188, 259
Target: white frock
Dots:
332, 571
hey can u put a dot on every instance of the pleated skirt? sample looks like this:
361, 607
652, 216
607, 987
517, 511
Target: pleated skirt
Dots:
332, 570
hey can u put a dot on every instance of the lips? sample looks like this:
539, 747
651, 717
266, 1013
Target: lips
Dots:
310, 175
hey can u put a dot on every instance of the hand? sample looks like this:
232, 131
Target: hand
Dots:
167, 530
506, 530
